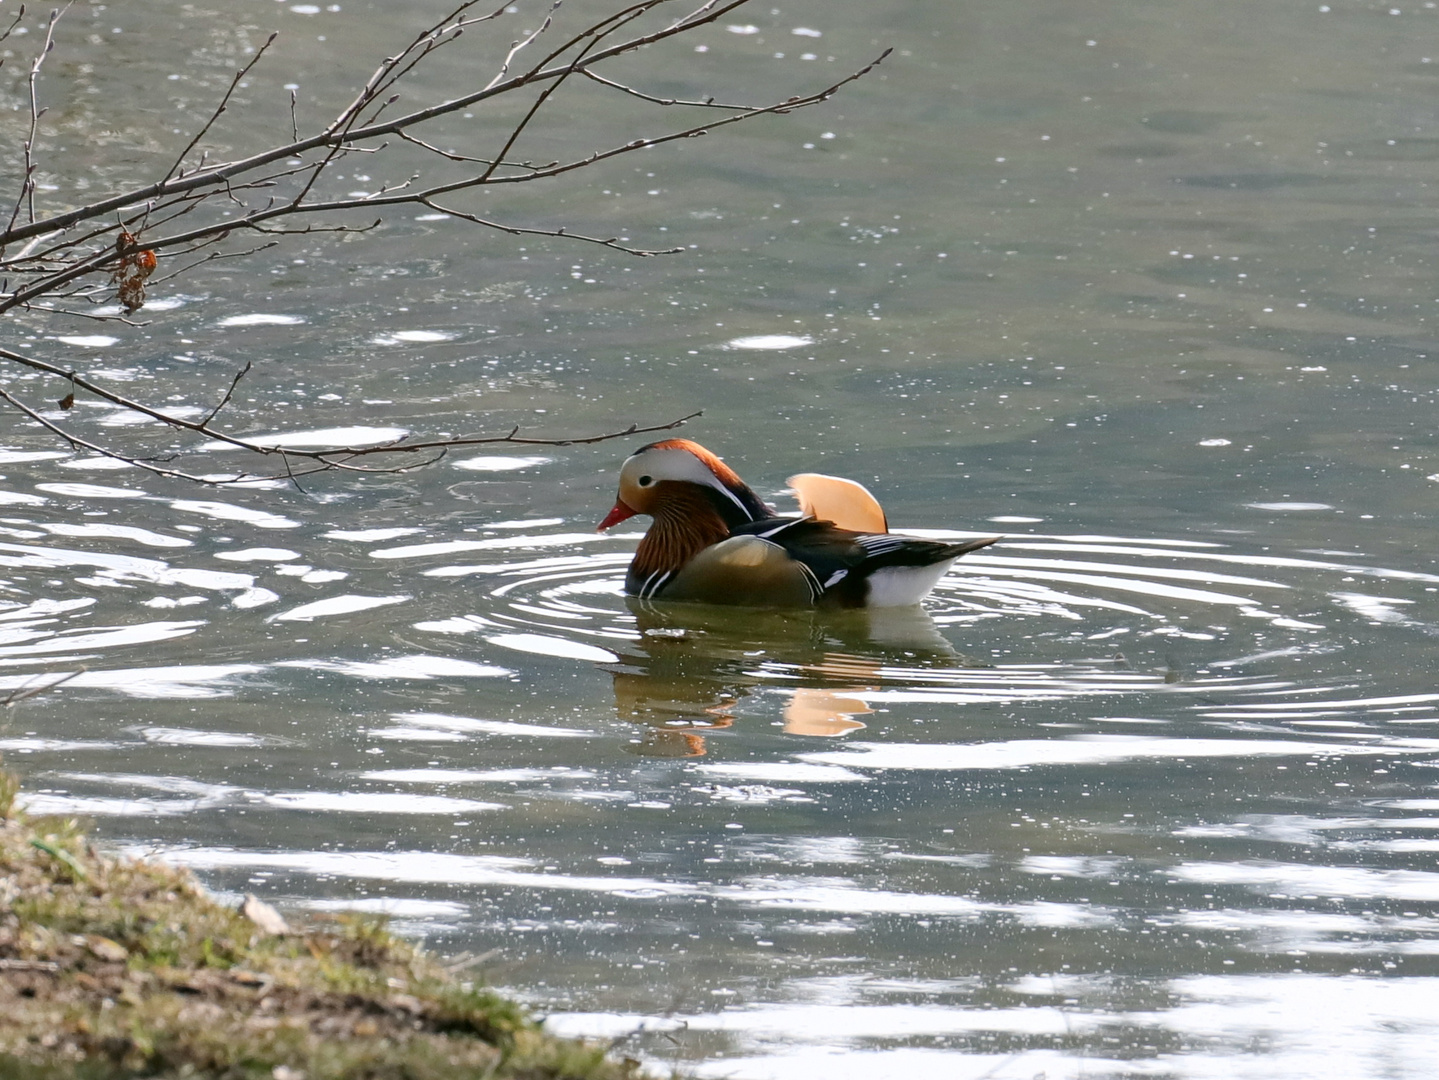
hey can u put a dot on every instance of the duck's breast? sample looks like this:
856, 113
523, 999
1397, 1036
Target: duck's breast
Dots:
744, 570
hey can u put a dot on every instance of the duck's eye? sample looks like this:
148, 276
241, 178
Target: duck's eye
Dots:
646, 481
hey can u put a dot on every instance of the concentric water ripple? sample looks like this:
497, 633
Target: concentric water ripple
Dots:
1038, 618
1099, 748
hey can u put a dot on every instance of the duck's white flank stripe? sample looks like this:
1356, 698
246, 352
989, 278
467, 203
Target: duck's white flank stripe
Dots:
651, 586
816, 590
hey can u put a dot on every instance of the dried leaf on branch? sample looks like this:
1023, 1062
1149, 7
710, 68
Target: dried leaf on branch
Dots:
135, 266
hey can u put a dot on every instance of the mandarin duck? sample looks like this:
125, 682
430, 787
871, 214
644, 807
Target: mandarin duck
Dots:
713, 540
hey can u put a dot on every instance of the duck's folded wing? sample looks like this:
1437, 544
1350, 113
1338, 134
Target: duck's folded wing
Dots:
856, 569
748, 570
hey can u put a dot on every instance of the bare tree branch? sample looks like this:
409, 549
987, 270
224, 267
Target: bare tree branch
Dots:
223, 105
26, 198
204, 202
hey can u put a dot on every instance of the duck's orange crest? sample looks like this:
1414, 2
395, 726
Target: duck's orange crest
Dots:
726, 475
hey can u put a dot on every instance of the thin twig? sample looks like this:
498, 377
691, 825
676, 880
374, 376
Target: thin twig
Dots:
708, 103
517, 230
29, 689
223, 105
235, 382
214, 256
26, 198
5, 34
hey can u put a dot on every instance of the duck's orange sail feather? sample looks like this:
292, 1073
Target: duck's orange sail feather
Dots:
846, 503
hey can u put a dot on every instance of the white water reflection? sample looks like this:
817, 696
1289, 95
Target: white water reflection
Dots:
418, 866
20, 498
491, 776
373, 802
1093, 749
91, 491
147, 537
167, 736
98, 463
258, 555
1293, 879
15, 457
123, 568
783, 772
89, 341
458, 727
413, 337
71, 641
498, 463
769, 342
260, 319
371, 535
321, 437
416, 666
336, 605
221, 511
181, 681
1208, 1031
545, 645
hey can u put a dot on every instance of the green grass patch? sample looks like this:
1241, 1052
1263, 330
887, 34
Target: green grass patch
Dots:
112, 968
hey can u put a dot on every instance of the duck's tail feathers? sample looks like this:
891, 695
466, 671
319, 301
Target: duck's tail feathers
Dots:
954, 551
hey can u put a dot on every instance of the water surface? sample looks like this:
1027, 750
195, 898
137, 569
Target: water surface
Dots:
1147, 790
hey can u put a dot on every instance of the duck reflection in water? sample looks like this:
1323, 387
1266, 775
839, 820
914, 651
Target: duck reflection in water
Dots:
694, 664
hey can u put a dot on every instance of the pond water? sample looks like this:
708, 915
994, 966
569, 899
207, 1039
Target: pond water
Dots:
1150, 789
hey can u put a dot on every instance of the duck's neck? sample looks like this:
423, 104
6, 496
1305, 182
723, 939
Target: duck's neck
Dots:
687, 520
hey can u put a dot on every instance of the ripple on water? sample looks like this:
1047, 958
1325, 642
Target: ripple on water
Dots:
1093, 749
498, 463
260, 319
91, 491
223, 511
441, 727
321, 437
413, 337
89, 341
769, 342
180, 681
403, 667
754, 726
336, 605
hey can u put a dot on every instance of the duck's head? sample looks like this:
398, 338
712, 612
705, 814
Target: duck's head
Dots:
670, 475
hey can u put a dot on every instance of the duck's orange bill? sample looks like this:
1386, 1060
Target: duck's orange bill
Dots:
615, 516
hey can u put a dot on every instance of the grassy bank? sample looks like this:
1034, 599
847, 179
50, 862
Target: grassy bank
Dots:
113, 969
